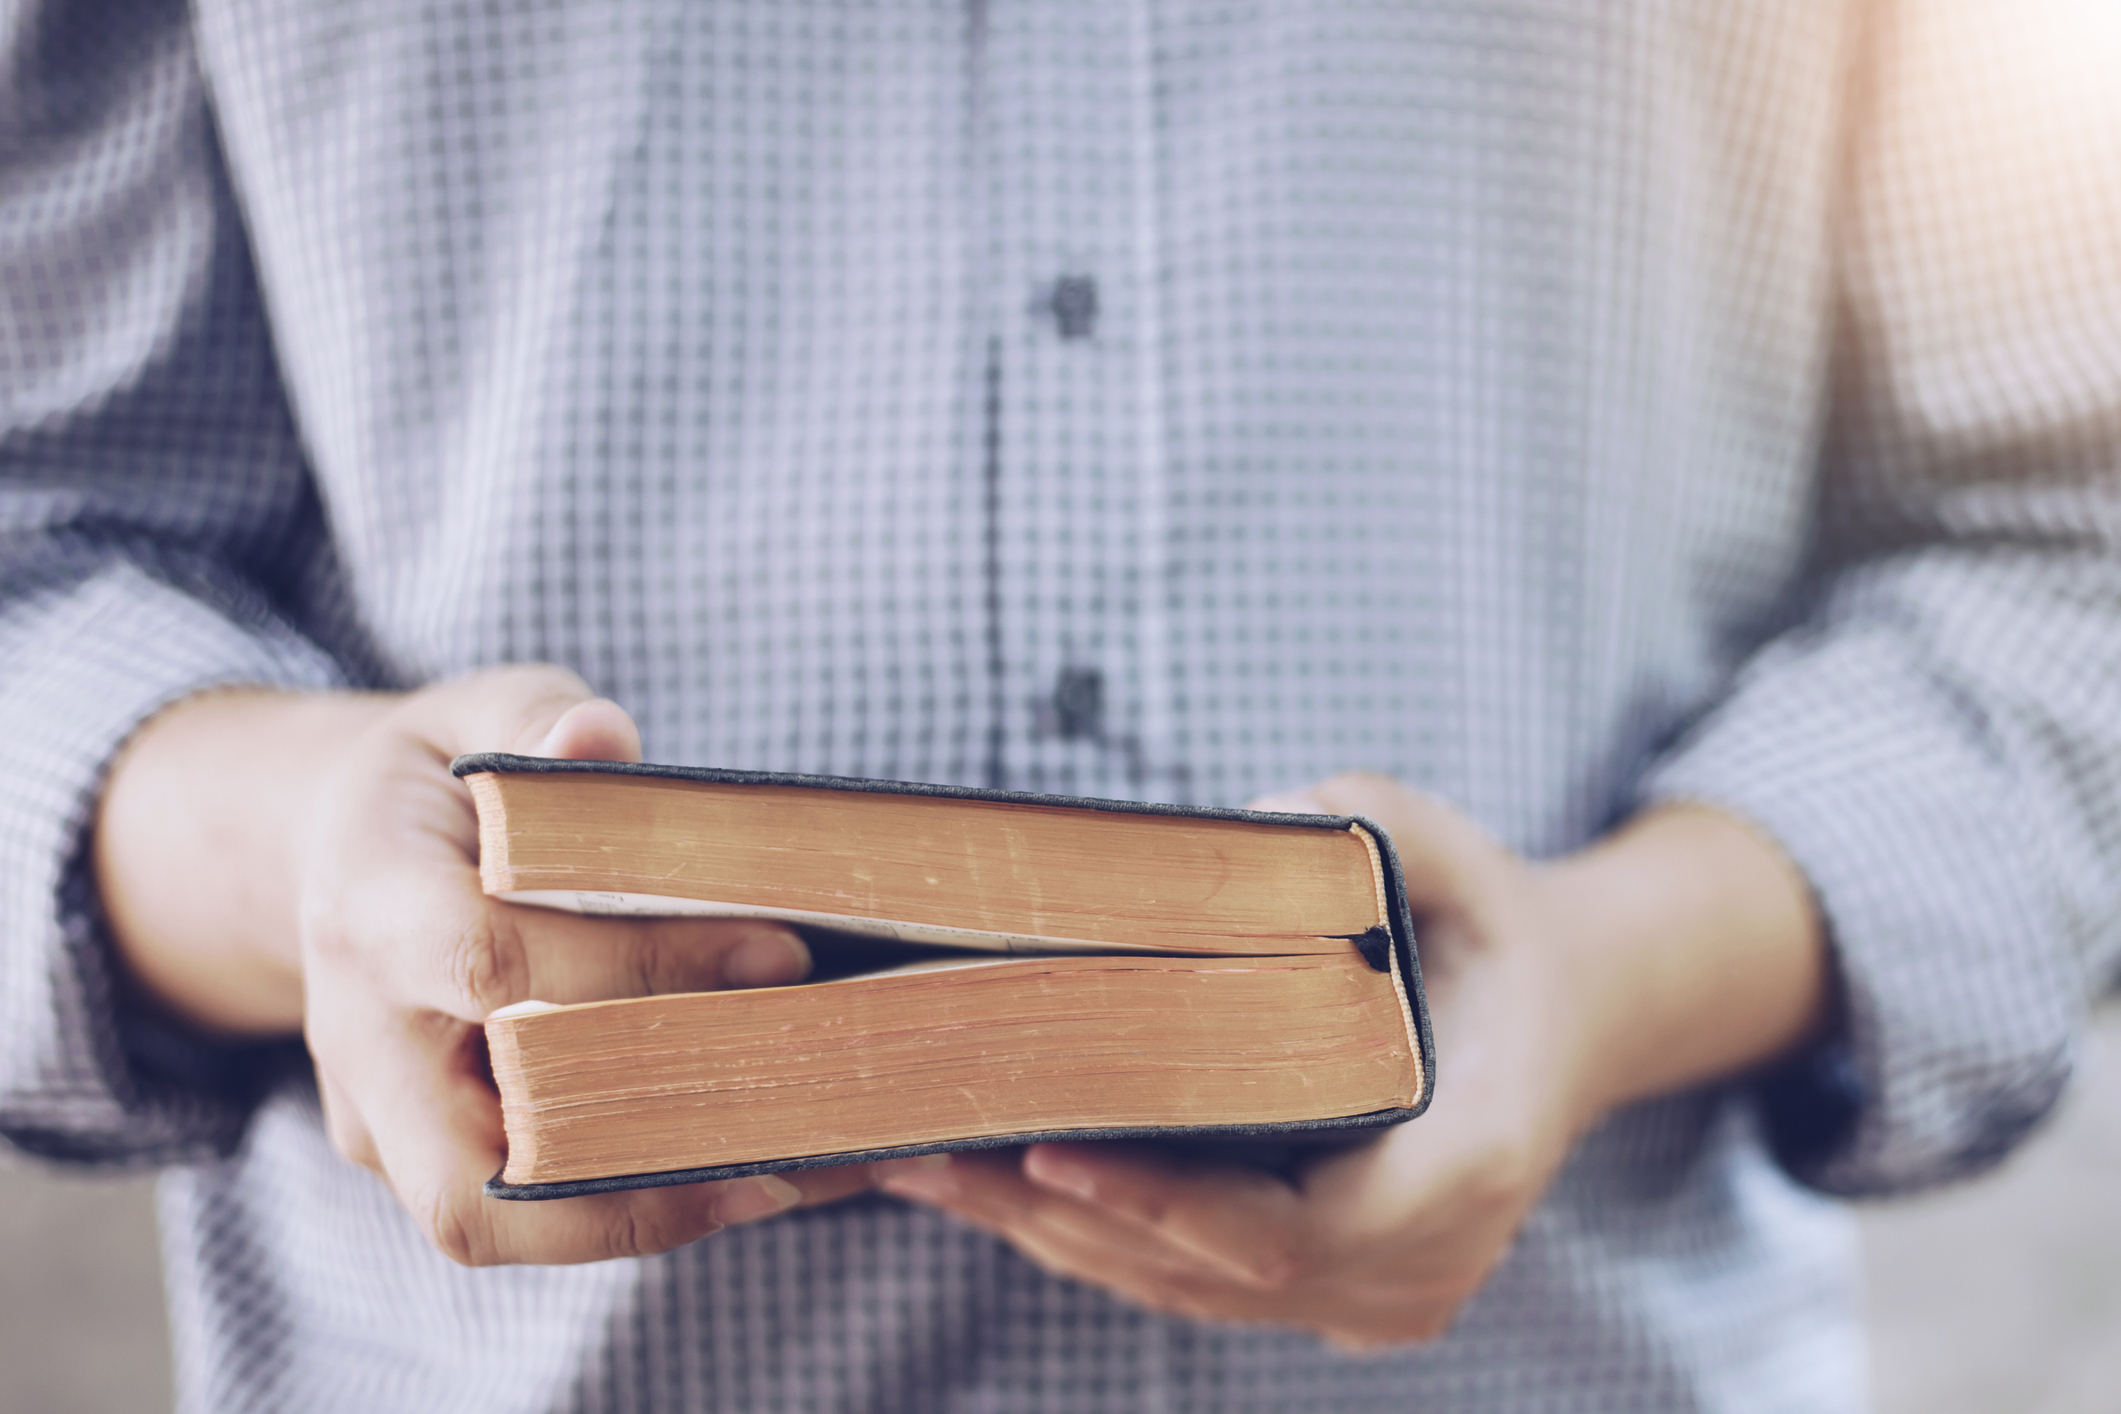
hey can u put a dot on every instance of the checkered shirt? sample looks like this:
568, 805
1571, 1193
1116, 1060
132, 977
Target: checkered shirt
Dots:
1556, 405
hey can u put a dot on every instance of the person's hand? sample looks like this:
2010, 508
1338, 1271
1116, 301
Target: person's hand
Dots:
346, 900
1377, 1242
403, 957
1537, 1037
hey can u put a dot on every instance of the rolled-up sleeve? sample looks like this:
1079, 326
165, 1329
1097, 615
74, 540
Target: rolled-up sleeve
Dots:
159, 535
1937, 741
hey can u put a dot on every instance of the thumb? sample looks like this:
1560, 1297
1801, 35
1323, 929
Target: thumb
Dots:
1447, 859
536, 709
596, 730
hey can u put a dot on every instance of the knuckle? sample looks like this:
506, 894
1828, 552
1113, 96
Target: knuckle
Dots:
642, 1229
659, 963
624, 1235
458, 1234
484, 963
1284, 1265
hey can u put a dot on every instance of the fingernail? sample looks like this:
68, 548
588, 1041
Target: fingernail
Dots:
1050, 1170
747, 1200
768, 958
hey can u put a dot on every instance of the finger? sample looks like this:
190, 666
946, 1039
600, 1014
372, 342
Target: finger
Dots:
993, 1191
536, 709
596, 730
450, 948
1073, 1240
397, 798
1248, 1223
1425, 1213
436, 1126
1358, 1316
1352, 1316
582, 959
1138, 1278
986, 1189
990, 1192
830, 1185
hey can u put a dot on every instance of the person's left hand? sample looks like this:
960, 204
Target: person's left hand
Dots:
1683, 948
1368, 1245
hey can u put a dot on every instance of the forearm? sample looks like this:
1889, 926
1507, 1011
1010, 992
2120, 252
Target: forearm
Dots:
1695, 948
195, 850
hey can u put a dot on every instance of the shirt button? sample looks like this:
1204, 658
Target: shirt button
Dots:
1073, 304
1078, 705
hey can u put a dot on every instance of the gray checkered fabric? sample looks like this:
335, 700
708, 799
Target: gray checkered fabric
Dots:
1556, 405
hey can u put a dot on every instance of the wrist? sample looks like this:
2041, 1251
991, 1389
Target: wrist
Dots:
1583, 978
197, 845
1688, 950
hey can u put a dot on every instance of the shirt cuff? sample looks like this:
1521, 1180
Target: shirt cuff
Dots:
1958, 1003
84, 666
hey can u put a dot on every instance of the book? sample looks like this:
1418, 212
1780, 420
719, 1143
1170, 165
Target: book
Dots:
1008, 968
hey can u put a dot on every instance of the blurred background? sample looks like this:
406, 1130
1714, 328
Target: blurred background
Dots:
2001, 1297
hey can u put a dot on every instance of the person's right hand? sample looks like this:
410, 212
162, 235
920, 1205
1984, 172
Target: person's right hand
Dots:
398, 954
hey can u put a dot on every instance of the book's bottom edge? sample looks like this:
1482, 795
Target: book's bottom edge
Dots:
1291, 1129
